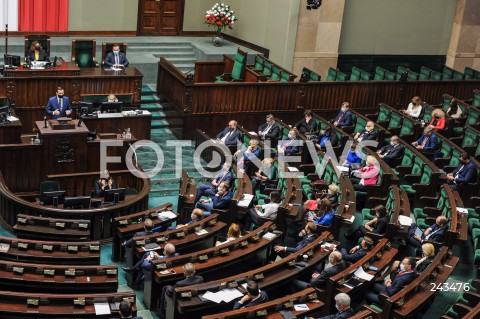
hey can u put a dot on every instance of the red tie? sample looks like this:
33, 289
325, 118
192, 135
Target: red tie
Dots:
424, 141
340, 118
286, 145
400, 273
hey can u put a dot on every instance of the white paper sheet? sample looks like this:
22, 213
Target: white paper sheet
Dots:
405, 220
168, 214
230, 294
102, 308
360, 273
301, 307
247, 199
212, 296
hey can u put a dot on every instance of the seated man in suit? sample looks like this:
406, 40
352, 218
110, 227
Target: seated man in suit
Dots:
59, 105
291, 145
357, 252
197, 215
147, 230
307, 234
427, 143
116, 58
253, 297
248, 154
390, 287
221, 200
344, 117
368, 134
391, 151
342, 303
465, 173
125, 309
319, 280
435, 233
308, 124
36, 53
190, 279
229, 136
269, 130
144, 264
209, 190
105, 182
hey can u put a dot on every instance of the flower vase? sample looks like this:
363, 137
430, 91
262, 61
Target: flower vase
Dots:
217, 39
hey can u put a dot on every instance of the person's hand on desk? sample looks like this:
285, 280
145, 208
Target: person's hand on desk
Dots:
279, 248
56, 112
68, 112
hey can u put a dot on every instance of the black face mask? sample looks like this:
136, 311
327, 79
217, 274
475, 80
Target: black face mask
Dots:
37, 48
60, 96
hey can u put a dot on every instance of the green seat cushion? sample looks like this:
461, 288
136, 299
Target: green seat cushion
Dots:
407, 188
418, 213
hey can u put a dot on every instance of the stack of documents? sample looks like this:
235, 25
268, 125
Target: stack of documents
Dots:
226, 295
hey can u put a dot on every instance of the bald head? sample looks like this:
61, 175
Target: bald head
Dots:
335, 257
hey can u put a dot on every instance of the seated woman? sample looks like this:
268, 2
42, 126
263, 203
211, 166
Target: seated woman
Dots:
324, 216
111, 98
327, 135
428, 254
438, 120
266, 211
331, 195
232, 234
367, 175
378, 225
454, 111
414, 109
265, 174
104, 183
36, 53
352, 157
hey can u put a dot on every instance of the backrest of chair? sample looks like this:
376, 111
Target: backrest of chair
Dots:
390, 76
341, 76
447, 73
238, 70
476, 98
49, 186
407, 158
412, 75
473, 116
470, 138
457, 75
314, 77
276, 70
425, 73
259, 60
469, 73
407, 127
107, 47
84, 52
383, 113
435, 75
267, 67
43, 39
379, 74
356, 73
332, 74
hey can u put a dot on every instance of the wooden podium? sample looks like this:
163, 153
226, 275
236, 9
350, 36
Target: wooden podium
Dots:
63, 151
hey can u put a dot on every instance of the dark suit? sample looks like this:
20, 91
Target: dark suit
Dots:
261, 299
420, 268
53, 105
392, 152
303, 127
380, 228
232, 138
353, 257
290, 146
272, 132
398, 283
341, 315
464, 174
209, 190
110, 59
302, 243
168, 291
218, 202
99, 192
42, 56
320, 281
367, 136
344, 119
437, 234
129, 243
432, 142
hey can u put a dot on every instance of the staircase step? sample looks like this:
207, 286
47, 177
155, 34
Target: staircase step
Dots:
159, 124
152, 107
149, 99
157, 115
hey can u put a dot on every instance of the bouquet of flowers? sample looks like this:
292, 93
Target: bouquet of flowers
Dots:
220, 17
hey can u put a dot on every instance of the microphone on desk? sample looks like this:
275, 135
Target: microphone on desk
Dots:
45, 125
118, 129
80, 121
54, 65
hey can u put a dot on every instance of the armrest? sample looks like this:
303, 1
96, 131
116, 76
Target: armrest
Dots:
432, 211
372, 117
307, 168
473, 298
227, 76
461, 310
403, 169
411, 179
429, 201
313, 177
393, 162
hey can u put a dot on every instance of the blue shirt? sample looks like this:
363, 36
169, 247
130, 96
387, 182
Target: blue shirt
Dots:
326, 219
352, 158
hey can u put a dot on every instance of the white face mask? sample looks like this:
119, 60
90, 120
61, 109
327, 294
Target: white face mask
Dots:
402, 267
391, 143
366, 128
289, 135
338, 308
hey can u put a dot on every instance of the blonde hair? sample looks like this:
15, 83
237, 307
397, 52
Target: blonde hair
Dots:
417, 100
334, 188
372, 160
269, 160
112, 97
438, 112
428, 249
233, 231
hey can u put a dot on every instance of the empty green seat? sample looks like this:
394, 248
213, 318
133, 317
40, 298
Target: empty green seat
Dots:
332, 74
425, 73
383, 114
390, 76
259, 60
413, 76
395, 121
435, 75
356, 74
379, 74
341, 76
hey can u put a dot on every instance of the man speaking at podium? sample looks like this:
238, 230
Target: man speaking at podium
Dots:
59, 105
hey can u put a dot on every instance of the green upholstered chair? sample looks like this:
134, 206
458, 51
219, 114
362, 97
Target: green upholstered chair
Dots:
332, 74
107, 47
436, 76
238, 69
400, 70
379, 74
43, 39
275, 76
315, 77
84, 53
258, 65
356, 74
425, 73
447, 73
341, 76
412, 76
390, 76
365, 76
476, 98
406, 163
457, 75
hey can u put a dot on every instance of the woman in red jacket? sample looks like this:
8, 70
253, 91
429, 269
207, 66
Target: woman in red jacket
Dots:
438, 120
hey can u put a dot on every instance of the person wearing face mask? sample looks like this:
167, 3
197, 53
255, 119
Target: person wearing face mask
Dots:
291, 145
454, 110
357, 252
327, 135
344, 117
342, 304
331, 194
259, 213
377, 225
368, 134
209, 190
308, 124
106, 182
116, 58
391, 151
465, 173
220, 200
197, 215
324, 215
36, 53
367, 175
438, 120
229, 136
414, 109
428, 254
435, 233
111, 98
269, 130
234, 232
427, 144
59, 105
391, 287
352, 157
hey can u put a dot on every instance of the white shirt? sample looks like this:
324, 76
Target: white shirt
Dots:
269, 211
414, 112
